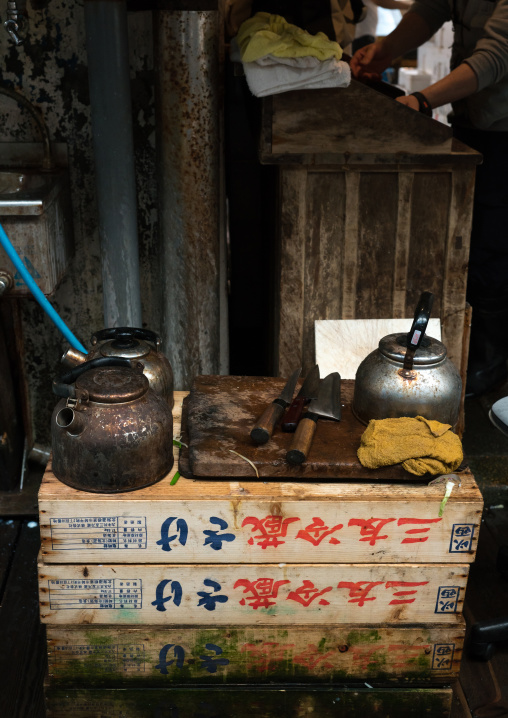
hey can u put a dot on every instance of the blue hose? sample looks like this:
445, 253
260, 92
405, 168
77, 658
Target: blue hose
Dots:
38, 295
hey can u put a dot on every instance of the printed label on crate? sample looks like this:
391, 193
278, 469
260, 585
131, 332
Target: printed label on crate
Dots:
243, 654
106, 532
104, 658
117, 593
361, 593
310, 532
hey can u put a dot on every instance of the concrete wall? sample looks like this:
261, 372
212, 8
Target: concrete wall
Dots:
50, 69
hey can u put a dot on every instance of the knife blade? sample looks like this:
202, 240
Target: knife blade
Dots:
265, 425
325, 406
308, 391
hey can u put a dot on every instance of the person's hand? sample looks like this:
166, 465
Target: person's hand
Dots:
409, 101
369, 62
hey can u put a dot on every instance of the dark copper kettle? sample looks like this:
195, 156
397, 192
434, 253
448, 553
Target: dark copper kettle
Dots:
130, 343
110, 432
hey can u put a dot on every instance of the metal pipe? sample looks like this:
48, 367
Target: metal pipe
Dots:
188, 125
110, 100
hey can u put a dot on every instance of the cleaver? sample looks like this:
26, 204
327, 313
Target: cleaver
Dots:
325, 406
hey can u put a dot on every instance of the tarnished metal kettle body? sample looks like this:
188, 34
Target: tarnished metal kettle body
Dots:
110, 432
130, 343
408, 375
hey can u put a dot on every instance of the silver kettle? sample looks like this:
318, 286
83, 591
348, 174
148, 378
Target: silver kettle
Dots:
134, 344
408, 375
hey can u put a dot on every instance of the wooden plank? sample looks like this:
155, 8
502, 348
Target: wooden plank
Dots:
222, 410
350, 263
320, 122
262, 702
152, 656
279, 594
377, 220
402, 242
455, 263
293, 229
77, 526
323, 253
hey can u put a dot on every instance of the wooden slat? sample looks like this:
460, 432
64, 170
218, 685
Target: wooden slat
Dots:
455, 263
280, 594
350, 263
262, 702
402, 243
152, 656
293, 229
323, 251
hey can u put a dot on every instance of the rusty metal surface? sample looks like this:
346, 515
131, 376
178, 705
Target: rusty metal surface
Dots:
188, 173
51, 71
112, 447
382, 392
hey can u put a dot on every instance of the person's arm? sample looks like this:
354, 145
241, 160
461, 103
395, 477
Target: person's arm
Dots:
412, 31
460, 83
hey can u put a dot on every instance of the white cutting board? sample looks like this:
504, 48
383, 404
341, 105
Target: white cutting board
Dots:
342, 344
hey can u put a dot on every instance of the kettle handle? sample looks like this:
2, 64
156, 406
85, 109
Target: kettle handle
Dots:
64, 386
418, 328
126, 332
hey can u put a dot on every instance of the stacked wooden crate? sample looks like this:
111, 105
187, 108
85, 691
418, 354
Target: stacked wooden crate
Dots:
220, 598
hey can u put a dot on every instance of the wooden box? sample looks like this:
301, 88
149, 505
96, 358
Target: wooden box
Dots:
252, 522
372, 198
154, 656
262, 701
247, 594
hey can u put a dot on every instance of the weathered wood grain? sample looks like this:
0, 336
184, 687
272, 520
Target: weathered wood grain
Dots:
152, 656
265, 594
263, 702
321, 122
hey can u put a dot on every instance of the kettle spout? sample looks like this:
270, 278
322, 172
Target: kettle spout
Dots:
73, 357
74, 422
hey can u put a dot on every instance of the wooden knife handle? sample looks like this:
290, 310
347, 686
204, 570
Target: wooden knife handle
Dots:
302, 441
293, 414
265, 425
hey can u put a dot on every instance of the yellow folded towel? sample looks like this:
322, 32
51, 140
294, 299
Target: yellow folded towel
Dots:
421, 445
265, 34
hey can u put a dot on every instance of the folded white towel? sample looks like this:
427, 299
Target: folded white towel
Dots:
270, 76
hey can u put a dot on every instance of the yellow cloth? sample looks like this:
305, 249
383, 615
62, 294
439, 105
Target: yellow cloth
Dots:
266, 34
421, 445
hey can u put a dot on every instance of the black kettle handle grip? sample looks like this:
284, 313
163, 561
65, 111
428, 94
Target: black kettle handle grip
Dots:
418, 328
63, 386
126, 332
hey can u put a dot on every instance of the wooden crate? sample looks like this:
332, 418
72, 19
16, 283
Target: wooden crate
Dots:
151, 656
245, 594
261, 701
370, 201
226, 522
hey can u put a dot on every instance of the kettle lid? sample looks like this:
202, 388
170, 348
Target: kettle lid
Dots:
430, 351
111, 385
126, 347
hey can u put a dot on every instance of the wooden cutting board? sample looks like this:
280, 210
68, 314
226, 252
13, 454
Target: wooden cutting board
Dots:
221, 412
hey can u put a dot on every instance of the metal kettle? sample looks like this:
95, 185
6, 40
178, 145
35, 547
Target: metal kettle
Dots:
110, 432
408, 375
130, 343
